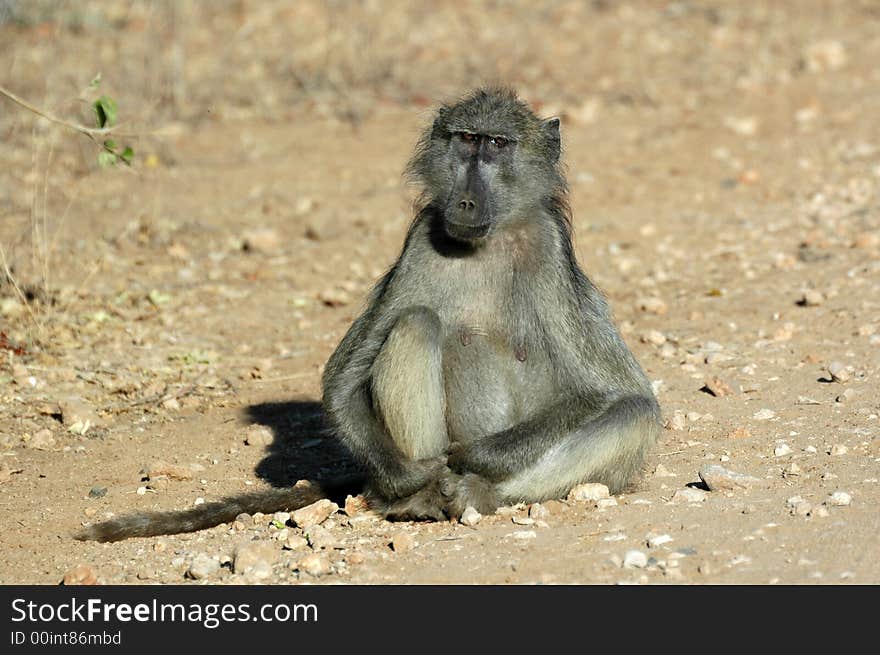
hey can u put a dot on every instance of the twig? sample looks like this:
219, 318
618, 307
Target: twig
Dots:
90, 132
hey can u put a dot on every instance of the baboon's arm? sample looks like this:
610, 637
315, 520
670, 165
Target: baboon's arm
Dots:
347, 400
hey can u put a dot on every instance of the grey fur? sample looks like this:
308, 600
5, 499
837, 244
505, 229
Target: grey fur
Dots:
151, 524
540, 392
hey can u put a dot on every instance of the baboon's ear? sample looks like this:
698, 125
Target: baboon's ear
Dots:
551, 131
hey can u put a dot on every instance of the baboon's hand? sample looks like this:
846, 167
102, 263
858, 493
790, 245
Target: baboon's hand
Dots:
415, 475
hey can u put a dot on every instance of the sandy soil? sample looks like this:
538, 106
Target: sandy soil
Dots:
724, 164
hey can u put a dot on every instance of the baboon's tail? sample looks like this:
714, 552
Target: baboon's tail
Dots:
151, 524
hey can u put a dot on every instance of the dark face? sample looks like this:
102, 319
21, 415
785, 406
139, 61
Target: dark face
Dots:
479, 163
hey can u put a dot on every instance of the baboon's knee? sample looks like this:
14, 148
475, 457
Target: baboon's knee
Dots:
407, 384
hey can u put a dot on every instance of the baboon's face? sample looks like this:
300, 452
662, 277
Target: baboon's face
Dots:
479, 165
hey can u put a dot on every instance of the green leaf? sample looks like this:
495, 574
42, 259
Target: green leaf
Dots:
95, 82
110, 144
106, 159
105, 111
127, 155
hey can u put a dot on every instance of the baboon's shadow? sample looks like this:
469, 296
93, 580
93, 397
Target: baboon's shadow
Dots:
303, 447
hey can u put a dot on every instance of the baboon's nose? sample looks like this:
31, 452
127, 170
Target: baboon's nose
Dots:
467, 205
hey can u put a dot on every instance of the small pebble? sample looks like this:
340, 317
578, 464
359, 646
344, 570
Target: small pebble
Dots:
716, 478
605, 503
403, 542
635, 559
538, 512
470, 516
295, 542
689, 495
652, 305
355, 505
654, 337
838, 372
258, 435
253, 555
764, 414
811, 298
839, 499
718, 387
314, 514
315, 565
41, 440
659, 540
202, 567
262, 240
782, 450
588, 491
321, 538
97, 492
82, 574
523, 534
676, 421
838, 449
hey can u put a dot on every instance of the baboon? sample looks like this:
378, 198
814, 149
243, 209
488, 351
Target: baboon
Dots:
485, 369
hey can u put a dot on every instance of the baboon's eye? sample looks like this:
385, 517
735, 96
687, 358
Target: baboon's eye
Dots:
468, 137
499, 141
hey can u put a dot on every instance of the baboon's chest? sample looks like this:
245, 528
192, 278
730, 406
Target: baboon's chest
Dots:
496, 372
493, 378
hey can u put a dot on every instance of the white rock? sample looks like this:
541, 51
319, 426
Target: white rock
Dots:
839, 499
202, 567
838, 449
838, 372
689, 495
315, 565
654, 337
314, 514
605, 503
659, 540
764, 414
258, 435
676, 421
782, 450
661, 471
470, 516
537, 511
717, 478
253, 556
588, 491
523, 534
826, 55
320, 537
635, 559
523, 520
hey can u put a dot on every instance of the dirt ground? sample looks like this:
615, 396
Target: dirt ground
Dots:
724, 165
